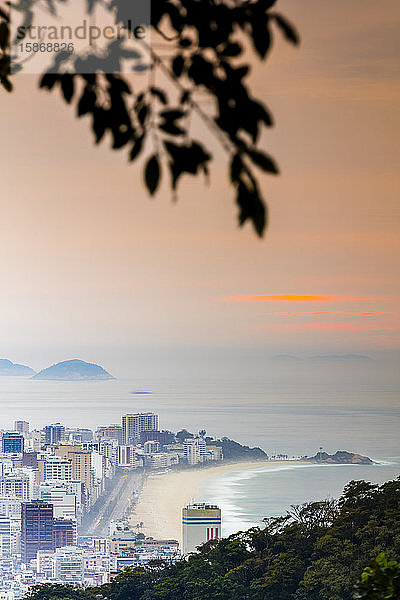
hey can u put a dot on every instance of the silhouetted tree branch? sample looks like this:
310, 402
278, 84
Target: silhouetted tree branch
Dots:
197, 52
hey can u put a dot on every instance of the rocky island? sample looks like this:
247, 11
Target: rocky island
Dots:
341, 457
8, 368
74, 370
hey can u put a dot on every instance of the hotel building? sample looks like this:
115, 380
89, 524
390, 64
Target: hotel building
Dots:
200, 523
134, 424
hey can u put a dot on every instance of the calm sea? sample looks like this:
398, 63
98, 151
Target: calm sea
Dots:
279, 411
246, 497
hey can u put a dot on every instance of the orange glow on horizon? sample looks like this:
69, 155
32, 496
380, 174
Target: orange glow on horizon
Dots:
295, 298
326, 327
336, 312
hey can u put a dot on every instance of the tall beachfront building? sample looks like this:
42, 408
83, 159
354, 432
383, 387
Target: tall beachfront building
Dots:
134, 424
37, 530
200, 523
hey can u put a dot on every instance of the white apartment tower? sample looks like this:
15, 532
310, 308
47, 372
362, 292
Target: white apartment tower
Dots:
195, 450
134, 424
200, 523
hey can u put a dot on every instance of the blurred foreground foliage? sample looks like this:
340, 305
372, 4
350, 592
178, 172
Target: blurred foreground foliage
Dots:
196, 89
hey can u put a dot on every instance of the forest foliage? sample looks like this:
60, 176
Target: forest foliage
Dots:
318, 551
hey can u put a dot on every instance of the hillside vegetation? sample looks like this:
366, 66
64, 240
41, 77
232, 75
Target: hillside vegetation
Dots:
317, 552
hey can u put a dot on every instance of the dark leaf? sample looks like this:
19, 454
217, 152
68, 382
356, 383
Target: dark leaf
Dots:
67, 86
171, 128
159, 94
287, 29
232, 50
49, 80
4, 35
172, 115
202, 71
261, 36
87, 102
185, 97
6, 83
100, 123
142, 114
118, 84
152, 174
186, 158
122, 134
236, 168
251, 207
262, 160
174, 15
177, 65
136, 148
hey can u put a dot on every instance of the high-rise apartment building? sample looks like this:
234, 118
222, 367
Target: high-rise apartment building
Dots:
12, 442
200, 523
37, 530
81, 463
195, 450
21, 427
134, 424
64, 532
54, 434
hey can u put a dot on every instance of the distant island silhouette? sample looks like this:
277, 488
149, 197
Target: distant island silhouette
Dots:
74, 370
8, 368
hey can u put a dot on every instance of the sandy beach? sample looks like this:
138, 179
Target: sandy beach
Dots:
164, 494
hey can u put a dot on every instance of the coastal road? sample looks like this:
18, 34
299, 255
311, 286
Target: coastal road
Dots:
113, 505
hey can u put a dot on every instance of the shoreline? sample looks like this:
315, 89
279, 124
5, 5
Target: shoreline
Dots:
164, 494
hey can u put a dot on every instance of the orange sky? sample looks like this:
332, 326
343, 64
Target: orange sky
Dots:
89, 262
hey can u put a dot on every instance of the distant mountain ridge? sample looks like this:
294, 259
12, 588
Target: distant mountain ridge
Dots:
74, 370
340, 357
323, 357
8, 368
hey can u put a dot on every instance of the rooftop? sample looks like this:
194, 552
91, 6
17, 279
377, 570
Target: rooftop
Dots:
202, 506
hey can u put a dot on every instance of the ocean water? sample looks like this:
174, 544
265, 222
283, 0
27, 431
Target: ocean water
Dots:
282, 409
246, 497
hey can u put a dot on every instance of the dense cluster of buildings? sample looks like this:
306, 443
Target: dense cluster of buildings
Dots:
51, 478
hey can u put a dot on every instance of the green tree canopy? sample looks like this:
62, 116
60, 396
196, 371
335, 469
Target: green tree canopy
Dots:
315, 552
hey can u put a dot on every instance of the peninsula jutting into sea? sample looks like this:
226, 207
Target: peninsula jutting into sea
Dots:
75, 505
